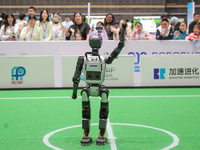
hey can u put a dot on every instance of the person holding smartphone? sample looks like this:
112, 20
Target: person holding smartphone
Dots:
45, 25
99, 30
59, 29
9, 30
164, 31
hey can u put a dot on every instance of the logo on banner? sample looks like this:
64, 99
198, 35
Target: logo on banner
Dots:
159, 73
17, 74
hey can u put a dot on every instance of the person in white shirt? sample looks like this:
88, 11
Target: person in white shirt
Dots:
31, 32
45, 25
22, 23
59, 29
68, 22
9, 30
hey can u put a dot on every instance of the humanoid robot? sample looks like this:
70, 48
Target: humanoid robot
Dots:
93, 66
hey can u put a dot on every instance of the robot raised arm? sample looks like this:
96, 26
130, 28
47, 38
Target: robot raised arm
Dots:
76, 78
118, 49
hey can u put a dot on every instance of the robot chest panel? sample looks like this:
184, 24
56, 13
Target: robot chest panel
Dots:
94, 70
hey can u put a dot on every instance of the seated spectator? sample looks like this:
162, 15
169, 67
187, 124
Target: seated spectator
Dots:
181, 33
117, 32
164, 31
79, 26
140, 34
99, 30
59, 29
9, 30
31, 32
194, 36
110, 25
175, 23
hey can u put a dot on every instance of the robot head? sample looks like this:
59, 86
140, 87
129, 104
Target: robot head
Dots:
95, 42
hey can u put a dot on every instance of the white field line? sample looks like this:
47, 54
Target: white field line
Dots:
63, 97
111, 137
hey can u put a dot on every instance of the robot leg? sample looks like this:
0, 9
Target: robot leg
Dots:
102, 140
86, 140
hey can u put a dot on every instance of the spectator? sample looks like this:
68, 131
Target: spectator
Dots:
31, 32
194, 36
68, 22
46, 26
79, 26
31, 10
181, 33
59, 29
175, 23
159, 23
164, 31
9, 30
117, 32
110, 25
2, 18
196, 17
99, 30
21, 23
140, 34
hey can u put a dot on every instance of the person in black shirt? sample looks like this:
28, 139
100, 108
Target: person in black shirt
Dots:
79, 27
110, 25
196, 21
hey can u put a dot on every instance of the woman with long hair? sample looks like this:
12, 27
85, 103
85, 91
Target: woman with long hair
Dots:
9, 30
45, 25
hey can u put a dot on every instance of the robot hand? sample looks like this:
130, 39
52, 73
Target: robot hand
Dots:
74, 96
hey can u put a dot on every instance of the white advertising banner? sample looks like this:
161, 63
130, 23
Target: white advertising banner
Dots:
27, 72
170, 70
120, 73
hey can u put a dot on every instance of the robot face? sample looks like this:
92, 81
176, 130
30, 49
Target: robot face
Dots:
95, 42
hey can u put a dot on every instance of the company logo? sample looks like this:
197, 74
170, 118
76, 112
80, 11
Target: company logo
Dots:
159, 73
17, 74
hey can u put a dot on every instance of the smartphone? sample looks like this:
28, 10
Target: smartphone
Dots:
56, 19
99, 28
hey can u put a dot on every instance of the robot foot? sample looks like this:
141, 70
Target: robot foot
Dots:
85, 141
101, 140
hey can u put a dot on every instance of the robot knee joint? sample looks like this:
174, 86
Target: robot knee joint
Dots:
86, 113
103, 114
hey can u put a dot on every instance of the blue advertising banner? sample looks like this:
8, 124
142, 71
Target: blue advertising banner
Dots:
190, 12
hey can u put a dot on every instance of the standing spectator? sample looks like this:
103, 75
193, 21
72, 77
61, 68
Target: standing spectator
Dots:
46, 26
59, 29
9, 30
140, 34
181, 33
79, 27
31, 32
196, 17
110, 25
117, 32
31, 10
175, 23
194, 36
99, 30
159, 22
164, 31
68, 22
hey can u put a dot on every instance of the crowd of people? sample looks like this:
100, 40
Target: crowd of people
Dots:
42, 29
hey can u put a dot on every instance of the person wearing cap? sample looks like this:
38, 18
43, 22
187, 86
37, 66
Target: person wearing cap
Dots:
31, 32
164, 31
175, 23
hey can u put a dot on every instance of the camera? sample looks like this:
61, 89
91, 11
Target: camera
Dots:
56, 19
99, 28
